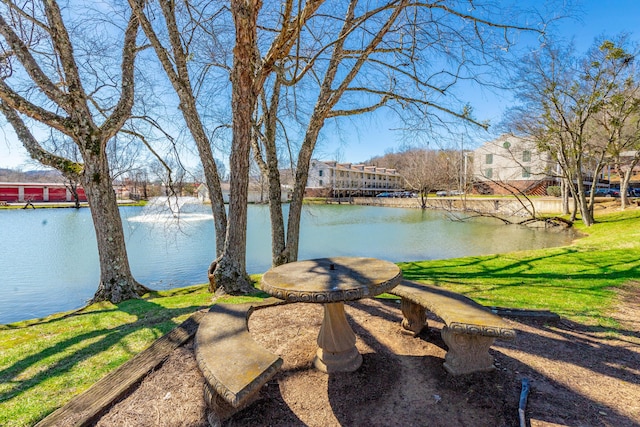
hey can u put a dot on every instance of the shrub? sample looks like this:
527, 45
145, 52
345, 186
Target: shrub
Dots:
553, 190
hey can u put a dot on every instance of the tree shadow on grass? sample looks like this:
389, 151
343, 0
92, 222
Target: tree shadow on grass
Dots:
578, 280
65, 358
614, 265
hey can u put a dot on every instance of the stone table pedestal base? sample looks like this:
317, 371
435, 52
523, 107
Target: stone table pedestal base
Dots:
337, 350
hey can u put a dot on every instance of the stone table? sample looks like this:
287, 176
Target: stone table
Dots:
331, 281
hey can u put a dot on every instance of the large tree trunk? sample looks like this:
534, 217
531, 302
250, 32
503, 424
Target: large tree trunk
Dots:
295, 207
586, 208
63, 87
230, 274
564, 191
624, 184
174, 61
190, 114
269, 167
278, 245
116, 281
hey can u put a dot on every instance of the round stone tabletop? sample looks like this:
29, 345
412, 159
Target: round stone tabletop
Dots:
326, 280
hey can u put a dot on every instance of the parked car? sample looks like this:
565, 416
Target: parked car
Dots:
384, 195
443, 193
404, 194
633, 192
604, 192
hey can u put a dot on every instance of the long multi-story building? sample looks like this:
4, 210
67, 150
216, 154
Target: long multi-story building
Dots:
333, 179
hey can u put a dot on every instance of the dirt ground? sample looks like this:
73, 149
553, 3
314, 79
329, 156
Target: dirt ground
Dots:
580, 376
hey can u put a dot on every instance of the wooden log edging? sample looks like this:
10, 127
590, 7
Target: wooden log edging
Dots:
85, 408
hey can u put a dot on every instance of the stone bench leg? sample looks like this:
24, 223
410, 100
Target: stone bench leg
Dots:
415, 317
467, 353
220, 409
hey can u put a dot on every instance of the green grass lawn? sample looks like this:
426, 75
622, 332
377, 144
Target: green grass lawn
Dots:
45, 362
577, 281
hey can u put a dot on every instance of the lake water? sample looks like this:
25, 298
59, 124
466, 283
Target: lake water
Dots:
49, 259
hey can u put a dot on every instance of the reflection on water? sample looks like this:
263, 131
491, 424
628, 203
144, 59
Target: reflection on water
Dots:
49, 259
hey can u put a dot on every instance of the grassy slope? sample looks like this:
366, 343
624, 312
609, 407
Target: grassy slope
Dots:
576, 281
43, 363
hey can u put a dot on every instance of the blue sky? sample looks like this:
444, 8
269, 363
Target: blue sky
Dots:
594, 18
374, 135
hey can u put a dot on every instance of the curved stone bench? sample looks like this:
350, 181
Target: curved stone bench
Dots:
234, 366
470, 329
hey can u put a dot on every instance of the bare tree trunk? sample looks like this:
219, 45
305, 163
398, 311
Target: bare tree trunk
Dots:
230, 273
65, 90
190, 114
584, 204
72, 186
290, 253
586, 208
328, 97
624, 184
116, 281
270, 168
277, 218
572, 192
574, 211
174, 61
564, 189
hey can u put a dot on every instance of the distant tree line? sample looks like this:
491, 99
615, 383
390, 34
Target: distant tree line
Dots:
11, 175
426, 170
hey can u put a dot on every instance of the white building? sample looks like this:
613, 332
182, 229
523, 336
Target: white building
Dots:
330, 178
509, 164
257, 192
